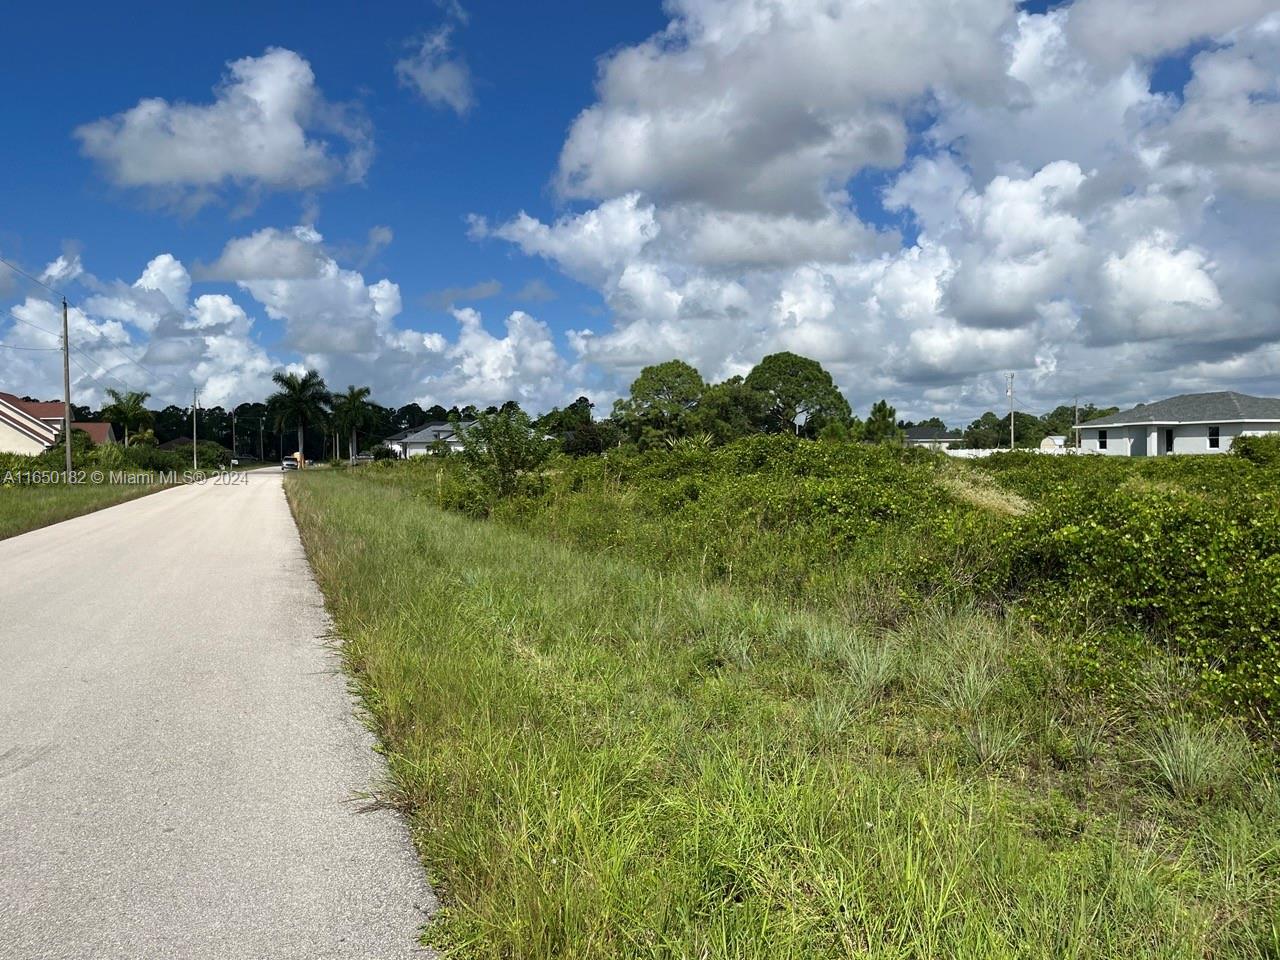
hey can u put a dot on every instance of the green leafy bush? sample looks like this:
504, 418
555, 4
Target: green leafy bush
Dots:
1196, 566
1264, 451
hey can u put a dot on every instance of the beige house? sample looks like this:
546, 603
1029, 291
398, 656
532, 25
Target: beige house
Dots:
31, 427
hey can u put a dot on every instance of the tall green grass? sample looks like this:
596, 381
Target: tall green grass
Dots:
603, 757
28, 507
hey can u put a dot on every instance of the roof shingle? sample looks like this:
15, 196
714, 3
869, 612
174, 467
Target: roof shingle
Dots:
1225, 405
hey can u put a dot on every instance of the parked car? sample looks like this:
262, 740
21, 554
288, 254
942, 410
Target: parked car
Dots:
364, 458
288, 463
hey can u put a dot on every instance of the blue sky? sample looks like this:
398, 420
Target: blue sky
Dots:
921, 194
432, 168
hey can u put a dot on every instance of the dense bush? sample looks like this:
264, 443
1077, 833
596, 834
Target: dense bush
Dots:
1264, 451
1195, 565
1184, 550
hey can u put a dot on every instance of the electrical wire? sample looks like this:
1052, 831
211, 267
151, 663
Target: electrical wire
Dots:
15, 316
14, 346
18, 270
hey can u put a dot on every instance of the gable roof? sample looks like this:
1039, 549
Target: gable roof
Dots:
931, 434
40, 409
13, 411
1224, 406
428, 432
98, 432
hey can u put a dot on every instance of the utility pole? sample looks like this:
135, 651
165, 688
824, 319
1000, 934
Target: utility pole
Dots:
1075, 421
1009, 391
260, 453
195, 456
66, 388
234, 452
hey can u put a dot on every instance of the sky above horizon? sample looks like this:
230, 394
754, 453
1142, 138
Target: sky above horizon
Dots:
474, 202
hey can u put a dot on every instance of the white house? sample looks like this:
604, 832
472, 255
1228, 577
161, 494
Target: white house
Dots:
426, 439
931, 438
395, 442
1191, 423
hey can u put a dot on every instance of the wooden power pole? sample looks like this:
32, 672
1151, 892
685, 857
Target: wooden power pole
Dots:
1010, 392
195, 456
66, 388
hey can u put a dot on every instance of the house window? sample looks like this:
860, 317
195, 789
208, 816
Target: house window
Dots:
1102, 439
1215, 438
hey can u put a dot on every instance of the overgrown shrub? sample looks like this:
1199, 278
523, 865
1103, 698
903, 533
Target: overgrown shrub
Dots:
1196, 570
1264, 451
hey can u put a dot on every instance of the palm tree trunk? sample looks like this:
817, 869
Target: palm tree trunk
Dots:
126, 434
302, 457
352, 449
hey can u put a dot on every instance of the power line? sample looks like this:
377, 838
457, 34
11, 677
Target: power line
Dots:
14, 346
112, 346
15, 316
93, 377
18, 270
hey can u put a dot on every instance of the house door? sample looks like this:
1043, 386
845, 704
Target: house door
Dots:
1168, 440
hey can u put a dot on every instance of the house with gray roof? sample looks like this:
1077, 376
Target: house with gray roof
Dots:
1190, 423
931, 438
436, 436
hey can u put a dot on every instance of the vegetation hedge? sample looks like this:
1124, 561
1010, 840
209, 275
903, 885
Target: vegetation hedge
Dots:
1183, 550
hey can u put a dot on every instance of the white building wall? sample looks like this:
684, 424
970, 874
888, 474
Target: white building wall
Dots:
1188, 438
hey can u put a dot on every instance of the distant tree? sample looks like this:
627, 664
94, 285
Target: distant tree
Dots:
411, 416
660, 401
510, 406
728, 410
173, 422
1028, 429
798, 393
301, 401
352, 413
469, 412
987, 432
215, 426
129, 410
591, 438
935, 422
499, 448
574, 428
881, 425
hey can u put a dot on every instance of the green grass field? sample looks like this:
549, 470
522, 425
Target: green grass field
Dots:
28, 507
606, 750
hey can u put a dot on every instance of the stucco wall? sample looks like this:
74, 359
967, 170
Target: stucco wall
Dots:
1141, 441
14, 441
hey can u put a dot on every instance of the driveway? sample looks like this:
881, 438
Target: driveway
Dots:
180, 757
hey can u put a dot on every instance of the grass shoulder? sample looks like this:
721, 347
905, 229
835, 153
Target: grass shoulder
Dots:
608, 754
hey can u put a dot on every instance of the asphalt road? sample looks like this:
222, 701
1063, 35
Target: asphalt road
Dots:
179, 751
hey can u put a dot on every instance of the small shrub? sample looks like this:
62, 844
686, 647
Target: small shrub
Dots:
1194, 763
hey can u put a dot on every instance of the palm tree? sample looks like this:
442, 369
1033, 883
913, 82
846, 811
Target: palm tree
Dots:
129, 410
351, 412
301, 400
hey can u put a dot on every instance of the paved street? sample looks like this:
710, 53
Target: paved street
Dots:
178, 748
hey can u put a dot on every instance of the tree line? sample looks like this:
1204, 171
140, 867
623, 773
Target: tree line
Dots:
670, 403
667, 404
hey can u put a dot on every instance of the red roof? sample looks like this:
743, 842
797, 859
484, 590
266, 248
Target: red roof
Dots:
98, 432
41, 410
39, 432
